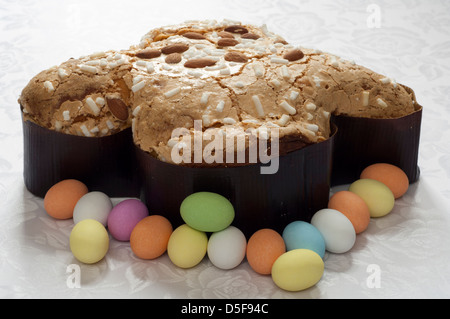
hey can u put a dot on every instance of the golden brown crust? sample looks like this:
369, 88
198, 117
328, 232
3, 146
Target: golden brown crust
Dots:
233, 77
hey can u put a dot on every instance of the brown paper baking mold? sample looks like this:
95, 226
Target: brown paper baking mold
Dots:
104, 164
296, 191
301, 186
361, 142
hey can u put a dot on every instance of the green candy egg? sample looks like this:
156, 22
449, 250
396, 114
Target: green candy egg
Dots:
207, 212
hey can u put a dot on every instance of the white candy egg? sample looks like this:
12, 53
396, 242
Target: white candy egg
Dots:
93, 205
226, 248
336, 229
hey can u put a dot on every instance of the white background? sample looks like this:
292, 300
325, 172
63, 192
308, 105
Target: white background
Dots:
410, 246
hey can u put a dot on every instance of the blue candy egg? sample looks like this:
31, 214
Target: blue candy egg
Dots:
303, 235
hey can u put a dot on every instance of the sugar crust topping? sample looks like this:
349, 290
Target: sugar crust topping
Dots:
224, 73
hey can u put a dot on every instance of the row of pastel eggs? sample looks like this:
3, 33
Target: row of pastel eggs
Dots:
226, 247
333, 229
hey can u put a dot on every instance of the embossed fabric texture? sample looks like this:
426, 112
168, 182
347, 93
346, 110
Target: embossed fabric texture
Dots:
403, 255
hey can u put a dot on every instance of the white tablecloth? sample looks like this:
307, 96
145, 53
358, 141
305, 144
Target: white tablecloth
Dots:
408, 250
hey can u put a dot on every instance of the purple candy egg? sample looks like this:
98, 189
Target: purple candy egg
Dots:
124, 216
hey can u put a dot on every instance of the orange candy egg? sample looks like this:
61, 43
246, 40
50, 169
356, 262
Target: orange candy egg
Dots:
390, 175
263, 248
150, 237
353, 207
61, 198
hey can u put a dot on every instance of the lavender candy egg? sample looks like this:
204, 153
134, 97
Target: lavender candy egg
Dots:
123, 218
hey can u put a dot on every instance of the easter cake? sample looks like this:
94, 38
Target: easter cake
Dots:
166, 109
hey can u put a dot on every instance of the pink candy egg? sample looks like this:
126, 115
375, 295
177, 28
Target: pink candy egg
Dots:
124, 217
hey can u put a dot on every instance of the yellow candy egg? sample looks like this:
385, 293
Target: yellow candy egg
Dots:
297, 270
89, 241
187, 246
378, 197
